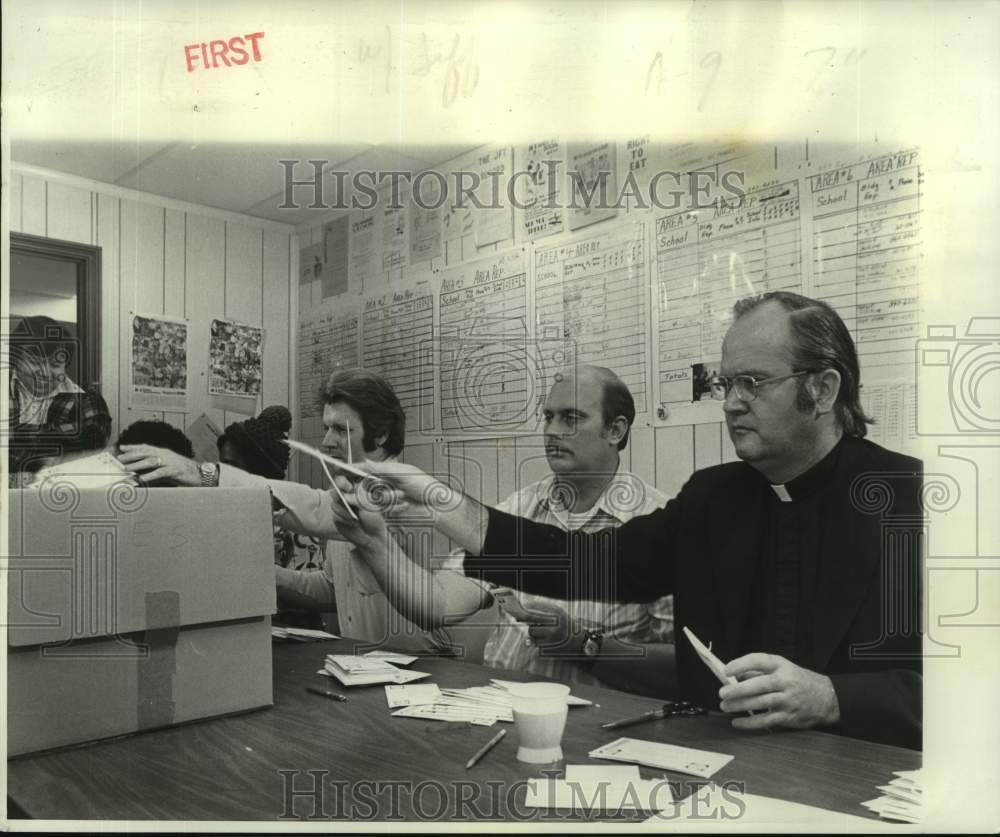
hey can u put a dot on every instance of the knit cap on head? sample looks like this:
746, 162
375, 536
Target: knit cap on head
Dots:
260, 441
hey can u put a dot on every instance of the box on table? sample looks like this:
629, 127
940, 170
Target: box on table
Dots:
134, 608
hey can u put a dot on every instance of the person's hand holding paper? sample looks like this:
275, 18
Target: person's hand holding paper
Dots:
780, 693
358, 520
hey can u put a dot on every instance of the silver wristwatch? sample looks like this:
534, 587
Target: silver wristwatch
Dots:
209, 474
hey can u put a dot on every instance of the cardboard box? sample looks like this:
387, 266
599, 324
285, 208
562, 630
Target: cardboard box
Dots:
135, 609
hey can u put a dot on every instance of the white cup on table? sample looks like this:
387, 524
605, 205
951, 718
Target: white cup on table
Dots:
540, 711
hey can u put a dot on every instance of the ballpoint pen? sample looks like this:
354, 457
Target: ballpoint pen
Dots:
668, 710
482, 751
324, 693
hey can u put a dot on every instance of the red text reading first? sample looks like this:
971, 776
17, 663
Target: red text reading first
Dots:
228, 52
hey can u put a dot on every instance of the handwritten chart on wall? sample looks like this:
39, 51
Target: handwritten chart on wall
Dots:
591, 299
488, 373
866, 255
328, 341
397, 342
706, 259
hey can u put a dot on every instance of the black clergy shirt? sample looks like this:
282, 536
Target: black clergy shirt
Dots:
830, 580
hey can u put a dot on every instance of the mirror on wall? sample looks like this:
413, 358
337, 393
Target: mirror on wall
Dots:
61, 282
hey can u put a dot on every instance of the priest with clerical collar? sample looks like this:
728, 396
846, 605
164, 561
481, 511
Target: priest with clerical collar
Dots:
800, 564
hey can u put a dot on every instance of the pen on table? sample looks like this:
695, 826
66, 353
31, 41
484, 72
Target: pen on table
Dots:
655, 715
482, 751
326, 694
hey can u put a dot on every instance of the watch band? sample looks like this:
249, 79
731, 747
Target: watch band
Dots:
209, 474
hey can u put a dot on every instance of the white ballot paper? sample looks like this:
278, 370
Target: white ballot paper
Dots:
483, 705
392, 657
591, 787
444, 712
571, 700
411, 695
902, 799
316, 453
300, 634
664, 756
367, 671
715, 665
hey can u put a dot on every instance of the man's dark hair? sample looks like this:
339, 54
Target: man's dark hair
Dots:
821, 341
371, 397
157, 433
260, 442
616, 400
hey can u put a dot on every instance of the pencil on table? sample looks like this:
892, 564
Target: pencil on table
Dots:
482, 751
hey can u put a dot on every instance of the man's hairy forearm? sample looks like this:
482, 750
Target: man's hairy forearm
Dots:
465, 524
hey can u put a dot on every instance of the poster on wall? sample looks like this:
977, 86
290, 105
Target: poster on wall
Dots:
592, 184
425, 220
394, 228
158, 363
457, 215
539, 194
493, 221
365, 259
235, 359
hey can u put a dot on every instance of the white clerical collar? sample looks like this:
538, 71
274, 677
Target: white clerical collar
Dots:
782, 493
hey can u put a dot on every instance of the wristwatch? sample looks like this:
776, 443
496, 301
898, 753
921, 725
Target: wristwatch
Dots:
592, 642
209, 474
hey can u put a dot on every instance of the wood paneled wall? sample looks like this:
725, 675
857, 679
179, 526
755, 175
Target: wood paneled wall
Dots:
162, 257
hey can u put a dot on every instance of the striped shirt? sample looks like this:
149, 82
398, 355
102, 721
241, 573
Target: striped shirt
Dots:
625, 496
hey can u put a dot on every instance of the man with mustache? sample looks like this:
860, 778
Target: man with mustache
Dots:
587, 416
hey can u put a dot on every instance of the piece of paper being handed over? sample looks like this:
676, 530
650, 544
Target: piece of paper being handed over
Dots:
316, 453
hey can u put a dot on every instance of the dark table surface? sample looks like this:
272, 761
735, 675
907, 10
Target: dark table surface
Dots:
363, 764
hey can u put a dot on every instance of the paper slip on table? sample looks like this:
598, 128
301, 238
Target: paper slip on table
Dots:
245, 767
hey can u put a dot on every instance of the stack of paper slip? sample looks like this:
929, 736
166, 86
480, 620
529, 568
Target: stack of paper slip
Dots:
422, 694
393, 657
300, 634
571, 700
481, 705
366, 671
902, 799
664, 756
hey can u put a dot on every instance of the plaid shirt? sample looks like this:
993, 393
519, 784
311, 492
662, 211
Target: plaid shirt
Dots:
75, 420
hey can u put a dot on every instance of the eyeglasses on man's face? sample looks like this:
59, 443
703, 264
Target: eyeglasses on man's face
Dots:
746, 386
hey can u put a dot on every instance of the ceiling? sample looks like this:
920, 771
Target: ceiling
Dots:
247, 179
